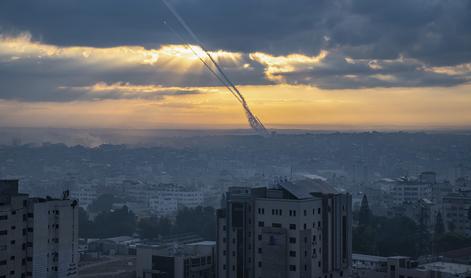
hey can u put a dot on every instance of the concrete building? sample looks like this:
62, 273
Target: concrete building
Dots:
366, 266
455, 209
426, 186
38, 237
85, 194
300, 229
410, 190
166, 203
194, 260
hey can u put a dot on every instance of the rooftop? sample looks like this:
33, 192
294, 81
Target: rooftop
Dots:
452, 268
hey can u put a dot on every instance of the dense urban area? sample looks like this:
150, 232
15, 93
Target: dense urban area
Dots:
363, 205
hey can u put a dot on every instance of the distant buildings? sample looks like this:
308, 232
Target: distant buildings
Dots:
288, 230
85, 193
366, 266
165, 199
456, 212
177, 261
38, 237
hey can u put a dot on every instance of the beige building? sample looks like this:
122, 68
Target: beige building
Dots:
300, 229
38, 237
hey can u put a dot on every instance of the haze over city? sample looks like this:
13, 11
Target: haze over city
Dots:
235, 139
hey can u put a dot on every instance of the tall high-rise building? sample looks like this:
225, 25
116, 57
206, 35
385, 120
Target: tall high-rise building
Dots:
300, 229
38, 237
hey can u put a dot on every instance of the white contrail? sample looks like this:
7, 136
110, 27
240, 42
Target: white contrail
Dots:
254, 122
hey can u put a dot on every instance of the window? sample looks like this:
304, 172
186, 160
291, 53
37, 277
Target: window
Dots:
4, 262
292, 267
292, 253
319, 211
276, 225
292, 240
259, 237
305, 226
260, 250
259, 264
4, 232
261, 224
305, 212
3, 217
292, 226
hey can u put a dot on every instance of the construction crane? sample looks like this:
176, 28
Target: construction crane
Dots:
217, 71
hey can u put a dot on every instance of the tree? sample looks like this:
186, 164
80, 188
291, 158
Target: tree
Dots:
115, 223
451, 241
365, 213
199, 220
439, 225
104, 202
153, 227
86, 229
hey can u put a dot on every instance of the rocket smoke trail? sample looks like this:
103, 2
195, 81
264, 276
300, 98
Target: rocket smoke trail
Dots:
254, 122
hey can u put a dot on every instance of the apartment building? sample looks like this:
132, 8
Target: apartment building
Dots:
38, 237
300, 229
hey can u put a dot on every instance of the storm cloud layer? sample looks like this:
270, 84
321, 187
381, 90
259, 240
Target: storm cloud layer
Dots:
85, 49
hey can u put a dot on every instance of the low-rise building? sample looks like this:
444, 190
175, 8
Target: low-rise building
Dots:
194, 260
366, 266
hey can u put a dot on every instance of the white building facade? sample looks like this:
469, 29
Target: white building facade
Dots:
38, 237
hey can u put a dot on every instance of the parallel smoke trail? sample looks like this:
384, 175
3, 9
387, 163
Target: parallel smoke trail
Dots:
254, 122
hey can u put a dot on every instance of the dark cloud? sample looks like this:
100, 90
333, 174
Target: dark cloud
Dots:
426, 33
436, 31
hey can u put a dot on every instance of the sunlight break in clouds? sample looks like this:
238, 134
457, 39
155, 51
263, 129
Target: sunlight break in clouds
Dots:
276, 66
20, 47
122, 90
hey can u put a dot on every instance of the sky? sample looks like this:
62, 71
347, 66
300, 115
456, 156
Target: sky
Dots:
320, 64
